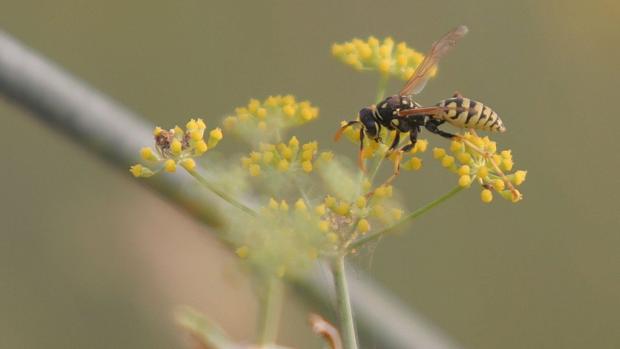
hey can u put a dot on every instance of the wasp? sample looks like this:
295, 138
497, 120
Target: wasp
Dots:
402, 114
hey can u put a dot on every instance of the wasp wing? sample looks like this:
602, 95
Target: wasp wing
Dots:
423, 72
434, 111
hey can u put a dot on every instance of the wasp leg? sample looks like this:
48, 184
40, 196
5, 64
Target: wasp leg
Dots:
432, 127
344, 127
413, 137
394, 144
360, 156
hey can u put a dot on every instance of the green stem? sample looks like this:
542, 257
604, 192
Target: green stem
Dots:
269, 312
202, 180
382, 87
413, 215
343, 303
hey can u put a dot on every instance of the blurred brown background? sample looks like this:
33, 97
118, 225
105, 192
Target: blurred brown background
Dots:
88, 259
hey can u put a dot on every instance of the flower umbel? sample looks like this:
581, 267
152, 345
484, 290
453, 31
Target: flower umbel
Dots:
476, 159
177, 147
385, 56
265, 121
285, 157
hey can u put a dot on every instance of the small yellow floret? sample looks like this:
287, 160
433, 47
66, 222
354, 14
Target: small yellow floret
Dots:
384, 66
273, 204
519, 177
464, 170
397, 213
230, 122
306, 166
507, 164
300, 205
215, 136
283, 206
136, 170
361, 202
421, 145
415, 163
146, 153
201, 123
170, 165
267, 157
464, 181
307, 155
288, 110
201, 147
330, 201
283, 165
243, 252
320, 209
363, 226
176, 147
157, 131
254, 170
447, 161
486, 196
333, 237
343, 208
324, 226
293, 142
188, 164
464, 158
191, 125
439, 153
499, 184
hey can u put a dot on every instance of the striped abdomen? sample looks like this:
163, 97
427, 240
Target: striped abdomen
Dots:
467, 113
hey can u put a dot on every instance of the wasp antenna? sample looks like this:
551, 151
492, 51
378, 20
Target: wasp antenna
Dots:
341, 130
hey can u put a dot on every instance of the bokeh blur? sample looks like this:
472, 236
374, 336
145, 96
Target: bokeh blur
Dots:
90, 259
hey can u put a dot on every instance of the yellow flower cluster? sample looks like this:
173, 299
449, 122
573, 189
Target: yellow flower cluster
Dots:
373, 149
388, 58
177, 147
283, 239
285, 157
264, 121
476, 158
344, 219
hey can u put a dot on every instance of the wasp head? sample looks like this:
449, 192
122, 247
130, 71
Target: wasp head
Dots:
367, 119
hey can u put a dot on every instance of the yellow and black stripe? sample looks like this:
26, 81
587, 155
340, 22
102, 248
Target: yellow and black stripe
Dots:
466, 113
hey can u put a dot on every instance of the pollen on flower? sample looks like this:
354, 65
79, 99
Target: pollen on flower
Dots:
385, 56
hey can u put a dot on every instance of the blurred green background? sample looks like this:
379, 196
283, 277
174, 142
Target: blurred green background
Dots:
90, 259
